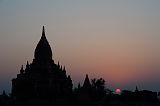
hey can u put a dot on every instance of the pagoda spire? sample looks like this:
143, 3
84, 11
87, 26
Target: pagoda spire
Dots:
43, 50
43, 31
43, 37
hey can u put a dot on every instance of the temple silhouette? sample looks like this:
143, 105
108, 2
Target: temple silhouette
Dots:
42, 78
45, 83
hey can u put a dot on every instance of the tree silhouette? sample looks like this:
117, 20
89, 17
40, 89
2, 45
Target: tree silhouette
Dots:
98, 88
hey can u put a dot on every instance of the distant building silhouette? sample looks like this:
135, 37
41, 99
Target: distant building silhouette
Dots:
84, 92
42, 78
86, 84
136, 89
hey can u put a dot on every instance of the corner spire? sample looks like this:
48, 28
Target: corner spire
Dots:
22, 71
22, 67
27, 63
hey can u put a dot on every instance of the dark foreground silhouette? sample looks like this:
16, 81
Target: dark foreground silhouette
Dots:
90, 94
45, 83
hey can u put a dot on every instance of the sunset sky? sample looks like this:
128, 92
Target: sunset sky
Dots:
118, 40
